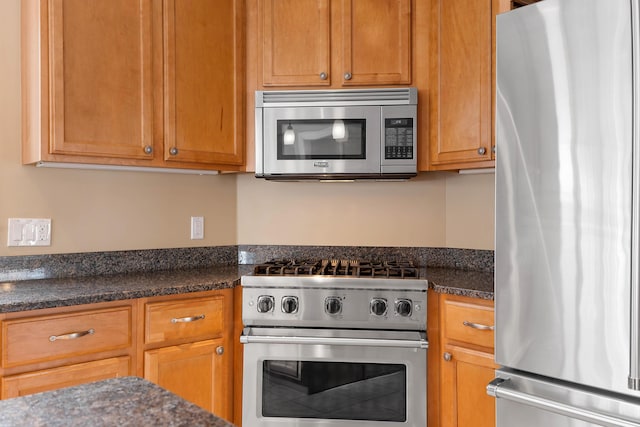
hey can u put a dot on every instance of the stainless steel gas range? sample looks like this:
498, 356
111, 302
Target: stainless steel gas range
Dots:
334, 343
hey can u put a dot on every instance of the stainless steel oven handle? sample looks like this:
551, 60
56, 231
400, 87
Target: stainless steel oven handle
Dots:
248, 338
499, 388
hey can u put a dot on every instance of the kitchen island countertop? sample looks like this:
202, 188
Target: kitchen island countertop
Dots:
125, 401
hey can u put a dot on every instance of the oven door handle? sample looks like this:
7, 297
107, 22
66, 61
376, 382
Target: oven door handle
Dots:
248, 338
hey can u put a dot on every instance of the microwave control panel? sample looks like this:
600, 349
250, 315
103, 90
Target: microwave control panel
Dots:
398, 138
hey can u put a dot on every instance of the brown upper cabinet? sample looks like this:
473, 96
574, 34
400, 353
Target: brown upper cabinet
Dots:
334, 43
462, 84
156, 83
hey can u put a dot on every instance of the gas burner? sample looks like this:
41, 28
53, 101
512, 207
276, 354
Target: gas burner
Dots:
335, 267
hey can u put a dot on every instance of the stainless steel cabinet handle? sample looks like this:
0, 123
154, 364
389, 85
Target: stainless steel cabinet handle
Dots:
72, 335
478, 326
220, 350
447, 356
634, 352
148, 149
173, 151
482, 151
499, 388
347, 76
187, 319
323, 76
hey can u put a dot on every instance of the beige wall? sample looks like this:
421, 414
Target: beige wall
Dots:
434, 209
99, 210
103, 211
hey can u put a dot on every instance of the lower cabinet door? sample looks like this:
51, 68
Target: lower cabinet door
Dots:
65, 376
196, 371
465, 375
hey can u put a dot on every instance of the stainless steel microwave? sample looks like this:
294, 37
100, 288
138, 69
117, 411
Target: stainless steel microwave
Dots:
339, 134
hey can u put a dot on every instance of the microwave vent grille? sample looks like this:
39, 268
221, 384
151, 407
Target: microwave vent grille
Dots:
392, 96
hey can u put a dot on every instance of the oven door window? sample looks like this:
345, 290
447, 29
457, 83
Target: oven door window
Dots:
321, 139
334, 390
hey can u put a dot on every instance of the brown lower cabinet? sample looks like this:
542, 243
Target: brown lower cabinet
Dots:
183, 343
466, 361
188, 348
47, 349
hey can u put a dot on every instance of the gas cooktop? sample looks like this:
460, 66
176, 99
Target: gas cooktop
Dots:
343, 293
337, 267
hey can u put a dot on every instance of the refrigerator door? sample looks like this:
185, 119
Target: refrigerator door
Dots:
529, 401
563, 191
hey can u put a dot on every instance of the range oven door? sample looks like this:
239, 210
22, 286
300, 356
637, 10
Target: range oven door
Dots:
333, 378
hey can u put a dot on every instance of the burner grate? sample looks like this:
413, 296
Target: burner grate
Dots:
334, 267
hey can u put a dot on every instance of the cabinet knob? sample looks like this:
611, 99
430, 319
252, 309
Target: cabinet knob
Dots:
173, 151
482, 151
220, 350
148, 149
447, 356
323, 76
347, 76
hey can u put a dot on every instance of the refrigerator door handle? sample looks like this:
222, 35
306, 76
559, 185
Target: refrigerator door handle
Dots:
634, 357
500, 388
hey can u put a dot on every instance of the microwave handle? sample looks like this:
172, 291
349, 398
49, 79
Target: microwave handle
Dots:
248, 337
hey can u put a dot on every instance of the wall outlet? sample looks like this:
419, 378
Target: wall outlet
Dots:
197, 227
29, 232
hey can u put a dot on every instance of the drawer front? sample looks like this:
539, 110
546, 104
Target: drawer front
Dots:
194, 319
44, 338
65, 376
469, 323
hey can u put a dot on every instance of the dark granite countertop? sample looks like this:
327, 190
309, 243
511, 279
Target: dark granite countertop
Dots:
126, 401
476, 284
47, 293
24, 295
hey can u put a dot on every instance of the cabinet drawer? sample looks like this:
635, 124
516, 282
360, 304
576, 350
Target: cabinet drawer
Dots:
192, 319
469, 323
43, 338
65, 376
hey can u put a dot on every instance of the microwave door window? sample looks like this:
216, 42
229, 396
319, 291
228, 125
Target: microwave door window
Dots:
321, 139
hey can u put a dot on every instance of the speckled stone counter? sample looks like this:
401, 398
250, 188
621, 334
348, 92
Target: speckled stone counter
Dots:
47, 293
46, 281
476, 284
128, 401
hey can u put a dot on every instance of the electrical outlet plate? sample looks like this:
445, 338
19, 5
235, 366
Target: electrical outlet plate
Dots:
197, 227
29, 232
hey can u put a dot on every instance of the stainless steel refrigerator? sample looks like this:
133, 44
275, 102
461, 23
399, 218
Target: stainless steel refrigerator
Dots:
568, 214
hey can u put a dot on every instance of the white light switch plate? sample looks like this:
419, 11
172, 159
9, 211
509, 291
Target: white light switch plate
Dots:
29, 232
197, 227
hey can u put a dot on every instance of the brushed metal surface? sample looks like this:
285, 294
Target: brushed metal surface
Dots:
255, 353
373, 105
355, 296
529, 401
563, 191
634, 357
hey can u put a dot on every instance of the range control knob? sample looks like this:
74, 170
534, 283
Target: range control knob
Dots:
378, 306
332, 305
403, 307
265, 303
290, 305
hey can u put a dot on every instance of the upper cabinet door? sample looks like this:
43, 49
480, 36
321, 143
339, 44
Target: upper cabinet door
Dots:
461, 83
100, 78
295, 37
204, 81
376, 42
